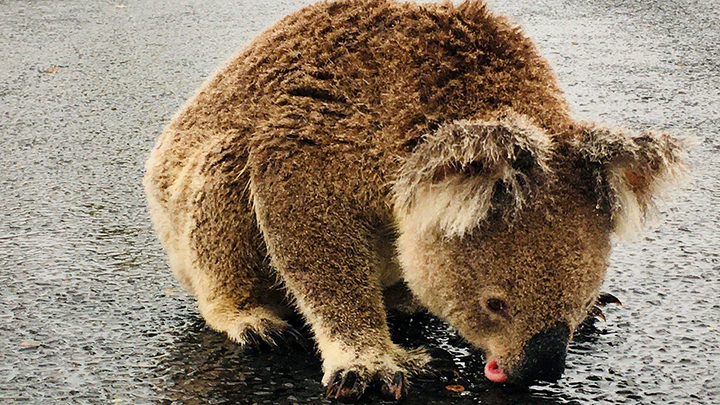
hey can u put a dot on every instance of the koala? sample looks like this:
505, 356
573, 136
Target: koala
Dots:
367, 154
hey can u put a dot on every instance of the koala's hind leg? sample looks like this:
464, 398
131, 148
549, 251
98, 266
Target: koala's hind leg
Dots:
224, 259
322, 246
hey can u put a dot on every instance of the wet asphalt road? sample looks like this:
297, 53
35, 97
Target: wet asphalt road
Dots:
90, 314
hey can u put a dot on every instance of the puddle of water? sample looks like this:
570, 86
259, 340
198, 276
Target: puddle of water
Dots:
89, 312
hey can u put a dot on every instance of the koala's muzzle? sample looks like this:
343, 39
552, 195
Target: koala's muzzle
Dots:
544, 356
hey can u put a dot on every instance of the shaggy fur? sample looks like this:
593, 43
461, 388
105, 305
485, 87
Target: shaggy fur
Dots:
631, 170
451, 180
363, 145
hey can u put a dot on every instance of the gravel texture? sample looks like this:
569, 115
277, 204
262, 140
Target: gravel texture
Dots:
89, 311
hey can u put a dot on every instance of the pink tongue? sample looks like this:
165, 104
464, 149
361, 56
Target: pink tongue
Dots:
494, 373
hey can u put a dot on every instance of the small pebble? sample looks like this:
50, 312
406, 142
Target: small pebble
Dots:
29, 343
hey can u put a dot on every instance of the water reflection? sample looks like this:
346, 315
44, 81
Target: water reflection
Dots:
203, 367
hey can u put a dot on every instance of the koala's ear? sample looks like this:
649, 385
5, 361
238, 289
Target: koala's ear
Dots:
630, 171
469, 168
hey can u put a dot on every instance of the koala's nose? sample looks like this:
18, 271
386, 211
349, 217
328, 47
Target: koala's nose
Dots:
545, 354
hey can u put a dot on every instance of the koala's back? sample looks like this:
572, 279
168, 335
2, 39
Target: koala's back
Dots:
365, 75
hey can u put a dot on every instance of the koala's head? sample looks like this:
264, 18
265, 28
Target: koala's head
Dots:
505, 232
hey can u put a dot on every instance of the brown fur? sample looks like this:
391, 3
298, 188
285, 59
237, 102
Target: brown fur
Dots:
357, 144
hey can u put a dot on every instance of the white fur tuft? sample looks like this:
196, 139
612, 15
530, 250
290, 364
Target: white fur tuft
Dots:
639, 169
447, 186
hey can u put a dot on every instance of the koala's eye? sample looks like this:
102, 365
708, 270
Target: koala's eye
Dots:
496, 305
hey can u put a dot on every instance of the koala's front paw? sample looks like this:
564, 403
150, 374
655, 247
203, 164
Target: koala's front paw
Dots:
389, 373
348, 385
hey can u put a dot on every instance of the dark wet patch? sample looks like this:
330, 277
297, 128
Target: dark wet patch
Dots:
89, 312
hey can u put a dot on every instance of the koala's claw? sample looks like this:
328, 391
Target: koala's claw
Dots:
289, 337
267, 334
607, 298
597, 313
345, 386
395, 388
603, 300
250, 338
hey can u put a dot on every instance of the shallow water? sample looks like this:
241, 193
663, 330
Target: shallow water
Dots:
89, 312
